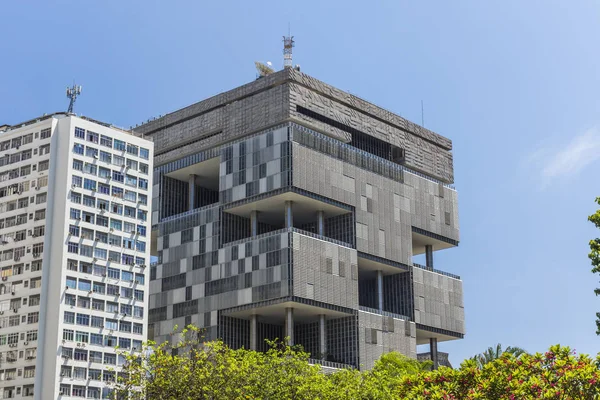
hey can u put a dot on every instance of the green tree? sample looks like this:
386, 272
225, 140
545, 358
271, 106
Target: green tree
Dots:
493, 353
594, 256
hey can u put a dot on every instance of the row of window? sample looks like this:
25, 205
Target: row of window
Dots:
70, 335
16, 320
17, 142
24, 170
91, 168
101, 305
23, 202
16, 254
13, 338
104, 254
107, 141
18, 188
100, 322
91, 184
92, 392
101, 288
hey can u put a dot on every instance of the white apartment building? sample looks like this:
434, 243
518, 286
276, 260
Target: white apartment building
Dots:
74, 245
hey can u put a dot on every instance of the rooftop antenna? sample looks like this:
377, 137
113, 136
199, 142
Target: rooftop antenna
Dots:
288, 44
72, 93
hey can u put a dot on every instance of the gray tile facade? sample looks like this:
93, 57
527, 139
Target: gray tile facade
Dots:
284, 151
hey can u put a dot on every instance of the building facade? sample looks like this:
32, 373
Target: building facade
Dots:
74, 240
288, 208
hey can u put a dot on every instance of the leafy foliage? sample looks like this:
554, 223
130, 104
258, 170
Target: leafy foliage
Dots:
192, 370
594, 256
493, 353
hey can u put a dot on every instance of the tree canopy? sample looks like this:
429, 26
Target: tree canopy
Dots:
594, 256
191, 370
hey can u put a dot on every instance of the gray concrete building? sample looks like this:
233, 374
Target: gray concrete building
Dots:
289, 208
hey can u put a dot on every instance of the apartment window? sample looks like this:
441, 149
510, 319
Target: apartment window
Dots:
79, 133
98, 305
71, 282
130, 180
45, 149
96, 356
116, 224
32, 335
132, 164
69, 317
143, 184
83, 319
34, 300
126, 309
79, 373
78, 391
105, 157
41, 198
138, 312
141, 230
112, 307
85, 268
43, 165
85, 285
33, 317
89, 201
118, 176
99, 270
83, 302
104, 172
83, 337
42, 182
75, 214
114, 240
124, 343
130, 195
66, 371
144, 168
68, 334
28, 372
35, 283
118, 160
103, 188
97, 322
117, 192
144, 153
102, 221
106, 141
103, 204
87, 233
65, 390
114, 273
132, 149
139, 329
119, 145
102, 237
76, 181
88, 217
45, 133
75, 198
80, 355
139, 295
93, 137
110, 358
89, 184
142, 215
100, 253
91, 152
127, 276
78, 148
90, 169
70, 300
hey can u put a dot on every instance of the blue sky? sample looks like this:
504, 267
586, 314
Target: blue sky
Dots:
514, 84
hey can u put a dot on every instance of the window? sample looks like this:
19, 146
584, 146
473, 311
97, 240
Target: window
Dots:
90, 169
32, 335
112, 307
65, 390
118, 160
129, 180
97, 305
33, 317
70, 299
144, 168
139, 295
91, 152
43, 165
79, 133
89, 201
130, 195
79, 373
100, 253
66, 371
132, 164
126, 309
41, 198
78, 165
68, 334
143, 183
103, 188
97, 322
95, 374
141, 230
71, 282
127, 276
69, 317
80, 355
144, 153
116, 224
110, 359
92, 137
124, 343
28, 372
112, 290
75, 198
78, 148
83, 302
105, 157
89, 184
142, 215
132, 149
117, 192
104, 172
76, 181
139, 329
119, 145
106, 141
83, 337
95, 356
74, 230
118, 176
83, 319
102, 221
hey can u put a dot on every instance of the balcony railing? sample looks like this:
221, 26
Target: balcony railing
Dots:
384, 313
437, 271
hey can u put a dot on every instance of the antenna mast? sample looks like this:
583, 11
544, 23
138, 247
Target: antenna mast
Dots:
288, 44
72, 93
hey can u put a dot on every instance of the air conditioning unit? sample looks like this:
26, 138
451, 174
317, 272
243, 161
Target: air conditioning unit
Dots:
15, 310
25, 343
36, 187
13, 293
104, 275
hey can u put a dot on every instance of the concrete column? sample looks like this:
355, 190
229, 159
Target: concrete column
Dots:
253, 331
433, 351
289, 325
380, 290
321, 222
289, 219
322, 336
191, 191
254, 222
429, 255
